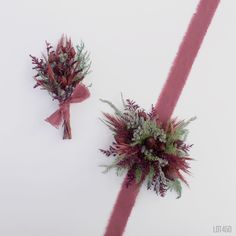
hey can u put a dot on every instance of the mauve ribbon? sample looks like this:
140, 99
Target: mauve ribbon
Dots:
79, 94
166, 103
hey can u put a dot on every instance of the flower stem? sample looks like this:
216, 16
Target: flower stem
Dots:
67, 130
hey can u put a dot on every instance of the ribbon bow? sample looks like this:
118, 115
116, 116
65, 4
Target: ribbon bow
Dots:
80, 93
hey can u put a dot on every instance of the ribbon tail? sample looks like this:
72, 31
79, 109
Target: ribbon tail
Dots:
185, 58
55, 119
122, 209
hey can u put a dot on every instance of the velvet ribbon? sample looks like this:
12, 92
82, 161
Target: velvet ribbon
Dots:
79, 94
166, 103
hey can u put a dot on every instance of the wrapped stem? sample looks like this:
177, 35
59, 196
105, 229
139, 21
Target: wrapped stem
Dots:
67, 130
66, 123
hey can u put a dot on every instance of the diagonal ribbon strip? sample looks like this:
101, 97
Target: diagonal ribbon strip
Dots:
80, 93
166, 103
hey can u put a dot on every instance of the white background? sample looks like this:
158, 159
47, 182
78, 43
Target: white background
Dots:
53, 187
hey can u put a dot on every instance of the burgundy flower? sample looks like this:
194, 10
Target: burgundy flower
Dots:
148, 149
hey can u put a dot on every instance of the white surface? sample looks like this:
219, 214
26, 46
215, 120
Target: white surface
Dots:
51, 187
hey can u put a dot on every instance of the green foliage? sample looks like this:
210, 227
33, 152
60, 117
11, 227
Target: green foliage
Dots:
120, 171
84, 58
171, 147
138, 175
149, 155
108, 167
113, 165
179, 132
176, 186
117, 111
148, 128
150, 176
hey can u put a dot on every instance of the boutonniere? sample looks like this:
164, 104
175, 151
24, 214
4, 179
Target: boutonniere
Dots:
61, 72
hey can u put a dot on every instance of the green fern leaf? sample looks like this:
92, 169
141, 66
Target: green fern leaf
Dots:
176, 186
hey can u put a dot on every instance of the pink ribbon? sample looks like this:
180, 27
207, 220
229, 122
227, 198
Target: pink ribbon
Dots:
166, 103
80, 93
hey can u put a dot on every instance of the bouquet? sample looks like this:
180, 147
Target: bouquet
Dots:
61, 72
